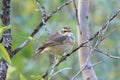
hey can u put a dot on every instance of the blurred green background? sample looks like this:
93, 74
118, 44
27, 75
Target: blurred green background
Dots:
24, 18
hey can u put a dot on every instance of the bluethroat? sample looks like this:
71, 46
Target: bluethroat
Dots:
59, 43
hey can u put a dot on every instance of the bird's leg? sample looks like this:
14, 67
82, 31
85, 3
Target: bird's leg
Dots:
54, 62
56, 59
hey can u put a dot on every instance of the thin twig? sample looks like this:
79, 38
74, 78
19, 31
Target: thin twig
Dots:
106, 24
44, 16
108, 54
83, 68
42, 9
76, 11
59, 8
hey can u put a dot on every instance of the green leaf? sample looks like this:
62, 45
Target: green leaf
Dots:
22, 77
3, 29
38, 77
60, 57
4, 54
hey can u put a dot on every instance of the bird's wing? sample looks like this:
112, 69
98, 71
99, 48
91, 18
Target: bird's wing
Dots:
55, 41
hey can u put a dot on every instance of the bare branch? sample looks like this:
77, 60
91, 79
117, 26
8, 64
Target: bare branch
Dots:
76, 11
108, 54
44, 16
42, 9
88, 67
59, 8
106, 24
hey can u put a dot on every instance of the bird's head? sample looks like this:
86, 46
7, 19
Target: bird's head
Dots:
65, 31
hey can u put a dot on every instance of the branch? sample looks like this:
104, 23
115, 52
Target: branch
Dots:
39, 27
6, 39
76, 12
44, 16
106, 24
108, 54
42, 9
59, 8
86, 67
98, 33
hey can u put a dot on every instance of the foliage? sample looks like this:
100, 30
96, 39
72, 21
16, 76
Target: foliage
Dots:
3, 29
3, 53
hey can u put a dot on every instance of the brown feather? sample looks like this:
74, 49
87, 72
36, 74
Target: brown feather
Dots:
54, 40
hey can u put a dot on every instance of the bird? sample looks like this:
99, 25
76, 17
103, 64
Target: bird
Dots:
59, 43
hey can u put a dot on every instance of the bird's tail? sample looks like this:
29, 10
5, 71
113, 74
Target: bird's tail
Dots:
38, 52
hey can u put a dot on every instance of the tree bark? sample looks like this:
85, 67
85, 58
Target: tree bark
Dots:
6, 38
83, 35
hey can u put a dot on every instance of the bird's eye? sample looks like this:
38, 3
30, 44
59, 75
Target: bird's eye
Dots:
64, 31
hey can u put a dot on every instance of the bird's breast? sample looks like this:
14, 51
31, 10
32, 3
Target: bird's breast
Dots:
61, 49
